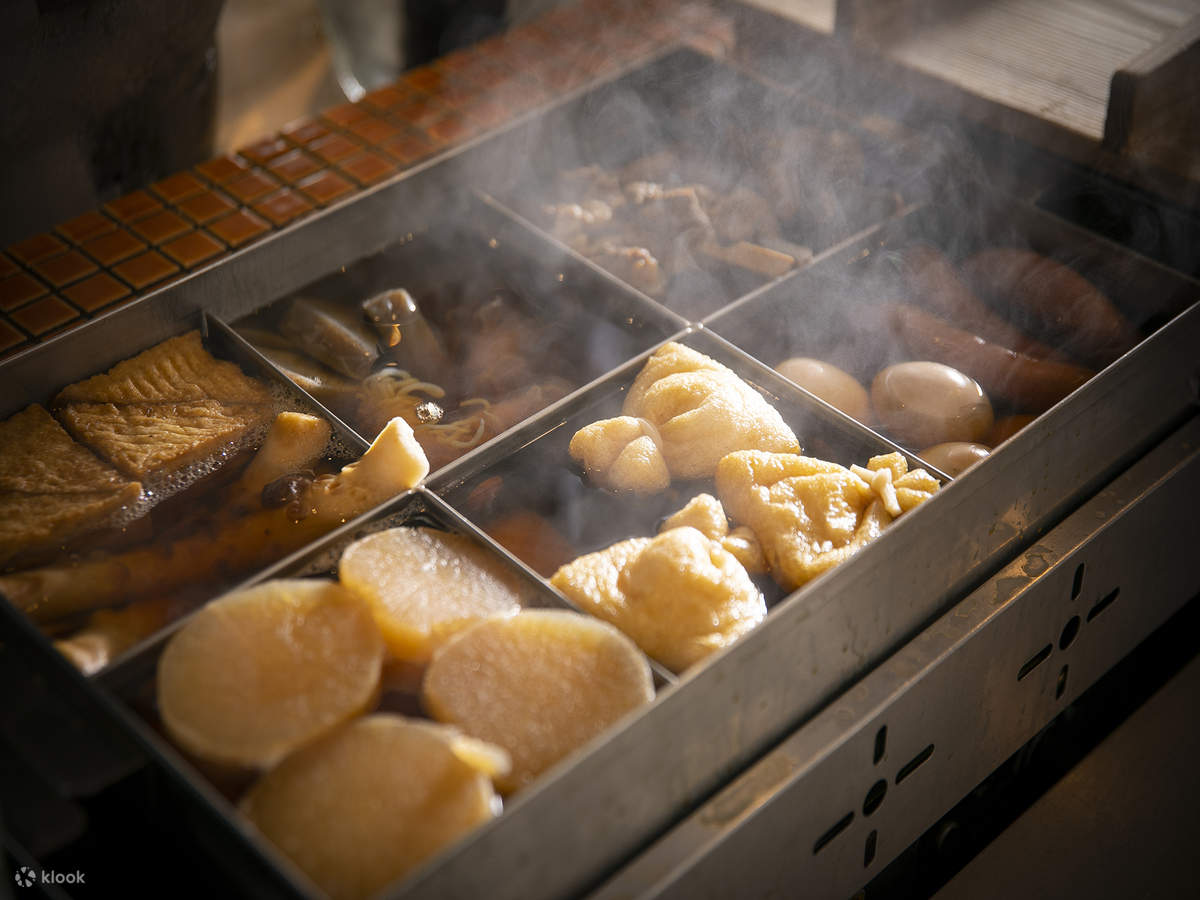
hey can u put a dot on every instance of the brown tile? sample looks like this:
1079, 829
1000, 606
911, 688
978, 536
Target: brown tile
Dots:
10, 338
44, 315
407, 148
490, 48
519, 96
250, 186
64, 268
450, 129
192, 249
521, 47
367, 167
223, 168
663, 29
333, 147
265, 150
7, 266
456, 61
19, 289
89, 225
37, 247
457, 94
385, 98
325, 187
239, 228
304, 131
372, 130
483, 72
565, 76
291, 167
420, 112
345, 114
426, 79
112, 248
96, 292
133, 206
178, 187
206, 207
283, 206
487, 113
161, 227
145, 270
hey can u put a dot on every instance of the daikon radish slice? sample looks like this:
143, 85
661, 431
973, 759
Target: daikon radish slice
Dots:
259, 672
362, 807
539, 684
424, 586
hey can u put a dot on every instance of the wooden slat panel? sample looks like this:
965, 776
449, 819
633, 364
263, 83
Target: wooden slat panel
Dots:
1054, 61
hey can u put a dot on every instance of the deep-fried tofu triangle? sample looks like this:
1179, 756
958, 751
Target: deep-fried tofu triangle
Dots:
809, 514
683, 413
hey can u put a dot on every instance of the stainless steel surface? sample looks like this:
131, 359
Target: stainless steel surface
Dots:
580, 821
894, 753
1120, 824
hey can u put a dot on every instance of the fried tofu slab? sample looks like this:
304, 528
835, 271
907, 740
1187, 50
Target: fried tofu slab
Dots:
165, 408
52, 488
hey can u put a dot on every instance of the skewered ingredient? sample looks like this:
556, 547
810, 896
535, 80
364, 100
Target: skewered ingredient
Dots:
540, 684
392, 464
683, 413
831, 384
423, 586
1020, 381
680, 595
364, 806
410, 341
1053, 301
954, 457
661, 219
331, 333
647, 231
925, 403
52, 489
763, 260
331, 388
458, 372
169, 406
636, 265
261, 672
934, 282
809, 514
